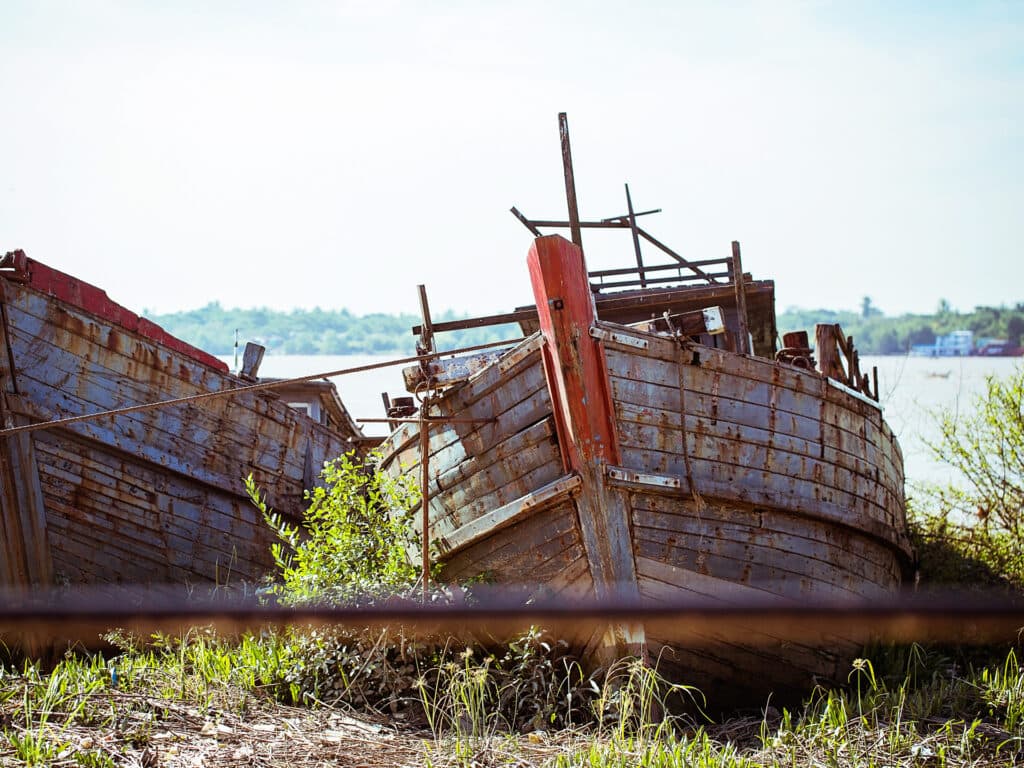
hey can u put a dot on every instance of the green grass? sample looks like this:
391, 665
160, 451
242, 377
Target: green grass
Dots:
902, 706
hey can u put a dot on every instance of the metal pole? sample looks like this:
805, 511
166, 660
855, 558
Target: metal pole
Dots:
636, 239
427, 329
425, 497
431, 419
570, 182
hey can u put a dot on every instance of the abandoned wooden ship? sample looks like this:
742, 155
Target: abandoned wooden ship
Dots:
151, 496
655, 442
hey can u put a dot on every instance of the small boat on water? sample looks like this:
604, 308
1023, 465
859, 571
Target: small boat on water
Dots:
151, 496
649, 439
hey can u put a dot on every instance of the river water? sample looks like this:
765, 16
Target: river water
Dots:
913, 389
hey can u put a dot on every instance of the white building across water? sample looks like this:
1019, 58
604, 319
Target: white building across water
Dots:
955, 344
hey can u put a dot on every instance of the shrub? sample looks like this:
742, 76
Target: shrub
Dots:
981, 511
354, 537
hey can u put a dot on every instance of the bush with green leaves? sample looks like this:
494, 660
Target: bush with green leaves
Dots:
354, 538
980, 512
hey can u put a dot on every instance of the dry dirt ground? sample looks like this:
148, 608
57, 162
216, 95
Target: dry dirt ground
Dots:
149, 732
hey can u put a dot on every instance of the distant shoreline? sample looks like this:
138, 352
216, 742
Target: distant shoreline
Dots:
323, 332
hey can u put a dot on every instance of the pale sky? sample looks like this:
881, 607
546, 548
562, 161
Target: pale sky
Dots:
339, 153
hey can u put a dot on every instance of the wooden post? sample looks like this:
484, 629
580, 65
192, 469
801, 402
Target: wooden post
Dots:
743, 331
827, 351
252, 357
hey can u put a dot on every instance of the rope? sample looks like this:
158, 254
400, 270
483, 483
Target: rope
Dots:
248, 388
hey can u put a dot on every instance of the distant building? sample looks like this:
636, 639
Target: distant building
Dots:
955, 344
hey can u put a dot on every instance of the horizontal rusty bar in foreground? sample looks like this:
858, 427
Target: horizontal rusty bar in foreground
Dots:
82, 614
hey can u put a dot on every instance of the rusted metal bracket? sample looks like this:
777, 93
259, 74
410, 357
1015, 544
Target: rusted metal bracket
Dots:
615, 337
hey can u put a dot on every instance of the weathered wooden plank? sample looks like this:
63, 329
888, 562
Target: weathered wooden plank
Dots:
573, 579
714, 407
751, 456
25, 553
50, 321
851, 541
135, 434
219, 463
96, 503
713, 361
558, 526
541, 431
706, 585
756, 467
659, 346
739, 563
113, 387
523, 358
456, 512
517, 405
136, 480
447, 372
748, 432
640, 426
118, 561
488, 475
834, 545
199, 426
486, 480
455, 446
145, 505
489, 524
125, 559
761, 648
92, 507
669, 437
745, 489
516, 550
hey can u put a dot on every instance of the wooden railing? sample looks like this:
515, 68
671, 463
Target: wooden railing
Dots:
681, 273
838, 359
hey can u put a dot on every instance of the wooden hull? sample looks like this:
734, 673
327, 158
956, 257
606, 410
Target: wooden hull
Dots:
152, 496
726, 476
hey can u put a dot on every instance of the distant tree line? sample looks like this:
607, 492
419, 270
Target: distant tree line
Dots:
339, 332
874, 333
315, 331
